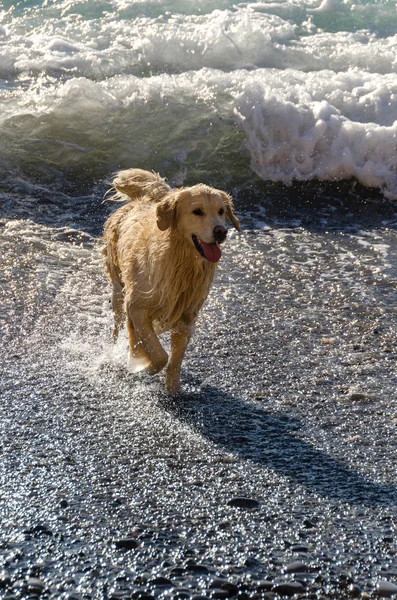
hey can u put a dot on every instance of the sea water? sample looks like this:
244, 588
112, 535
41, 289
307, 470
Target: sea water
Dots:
293, 90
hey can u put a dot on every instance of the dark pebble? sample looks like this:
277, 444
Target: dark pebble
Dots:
177, 571
128, 543
251, 561
357, 397
219, 594
36, 569
243, 596
354, 590
265, 585
297, 567
161, 582
308, 524
39, 530
181, 595
199, 597
5, 579
300, 549
386, 589
35, 585
198, 569
242, 502
231, 588
216, 584
288, 589
224, 525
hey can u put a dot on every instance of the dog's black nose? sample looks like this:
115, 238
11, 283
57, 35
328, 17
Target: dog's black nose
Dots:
220, 233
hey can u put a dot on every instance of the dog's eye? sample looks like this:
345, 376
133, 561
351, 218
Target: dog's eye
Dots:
221, 211
198, 212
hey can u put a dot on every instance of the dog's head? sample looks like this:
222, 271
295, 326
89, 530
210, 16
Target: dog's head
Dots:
199, 213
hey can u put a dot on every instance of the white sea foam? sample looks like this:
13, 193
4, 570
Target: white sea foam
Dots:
298, 126
230, 39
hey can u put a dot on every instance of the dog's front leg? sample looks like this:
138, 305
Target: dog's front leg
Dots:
179, 342
145, 335
118, 308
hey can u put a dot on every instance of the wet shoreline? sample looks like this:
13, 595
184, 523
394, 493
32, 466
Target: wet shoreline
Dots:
112, 490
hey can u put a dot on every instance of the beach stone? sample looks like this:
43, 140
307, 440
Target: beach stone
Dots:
38, 530
386, 589
199, 569
231, 588
181, 594
127, 543
297, 567
251, 561
289, 588
264, 585
5, 579
161, 582
354, 590
357, 397
177, 571
216, 584
309, 524
243, 502
224, 525
219, 594
35, 585
300, 548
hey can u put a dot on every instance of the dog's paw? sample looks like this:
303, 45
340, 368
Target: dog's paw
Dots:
172, 384
136, 365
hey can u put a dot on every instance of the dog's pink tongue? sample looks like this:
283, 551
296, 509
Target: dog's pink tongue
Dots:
212, 252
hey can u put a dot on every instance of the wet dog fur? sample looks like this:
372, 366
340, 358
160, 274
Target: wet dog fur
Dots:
161, 248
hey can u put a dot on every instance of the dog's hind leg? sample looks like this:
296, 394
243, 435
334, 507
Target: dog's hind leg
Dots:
118, 309
179, 342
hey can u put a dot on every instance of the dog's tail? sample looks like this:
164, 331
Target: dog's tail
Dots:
133, 184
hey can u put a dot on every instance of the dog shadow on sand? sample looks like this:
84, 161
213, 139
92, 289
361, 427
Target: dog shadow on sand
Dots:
271, 440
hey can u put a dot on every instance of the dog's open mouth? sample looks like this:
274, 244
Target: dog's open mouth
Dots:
210, 252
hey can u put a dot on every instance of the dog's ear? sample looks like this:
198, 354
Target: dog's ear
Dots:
166, 211
229, 210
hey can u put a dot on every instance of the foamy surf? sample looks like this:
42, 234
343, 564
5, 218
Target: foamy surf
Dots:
287, 91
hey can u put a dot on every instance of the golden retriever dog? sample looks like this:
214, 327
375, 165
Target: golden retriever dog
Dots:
161, 250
